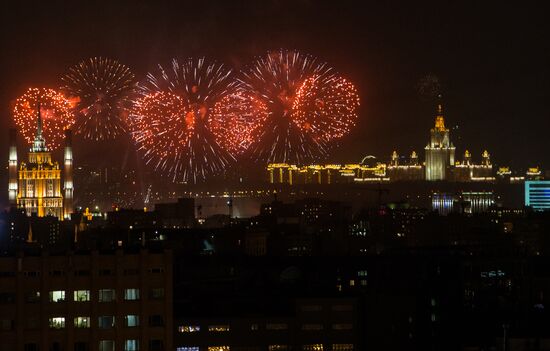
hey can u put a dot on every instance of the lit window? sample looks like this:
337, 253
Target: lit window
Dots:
106, 295
131, 345
106, 345
106, 322
276, 326
57, 322
131, 294
189, 328
312, 347
82, 295
342, 347
188, 348
218, 328
312, 327
81, 322
218, 348
254, 326
352, 282
131, 320
57, 296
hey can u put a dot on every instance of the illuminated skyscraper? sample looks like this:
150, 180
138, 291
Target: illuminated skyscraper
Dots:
440, 152
39, 180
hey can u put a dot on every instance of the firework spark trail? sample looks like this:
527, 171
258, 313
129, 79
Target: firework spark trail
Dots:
100, 90
55, 110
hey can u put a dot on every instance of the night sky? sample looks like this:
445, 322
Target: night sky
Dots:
491, 59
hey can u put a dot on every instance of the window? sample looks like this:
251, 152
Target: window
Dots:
156, 320
57, 296
106, 322
276, 326
156, 345
82, 273
32, 296
312, 308
106, 295
105, 272
82, 295
7, 297
342, 308
218, 348
30, 347
156, 294
254, 326
31, 274
81, 346
81, 322
33, 323
57, 322
312, 327
218, 328
131, 271
6, 324
131, 294
278, 348
189, 328
156, 270
57, 273
131, 320
106, 345
342, 326
342, 347
131, 345
188, 348
312, 347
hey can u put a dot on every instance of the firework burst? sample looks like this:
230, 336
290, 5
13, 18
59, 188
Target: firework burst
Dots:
168, 135
236, 120
100, 91
303, 97
55, 111
326, 110
196, 154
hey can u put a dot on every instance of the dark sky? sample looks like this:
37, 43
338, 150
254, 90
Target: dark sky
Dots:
492, 59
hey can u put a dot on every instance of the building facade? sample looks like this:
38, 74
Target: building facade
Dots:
86, 302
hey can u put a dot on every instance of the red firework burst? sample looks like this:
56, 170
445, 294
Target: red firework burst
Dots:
327, 110
55, 110
236, 120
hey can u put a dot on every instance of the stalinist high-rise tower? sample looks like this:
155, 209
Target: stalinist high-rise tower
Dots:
38, 182
440, 152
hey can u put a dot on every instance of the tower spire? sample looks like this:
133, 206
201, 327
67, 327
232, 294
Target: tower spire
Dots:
439, 119
39, 141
